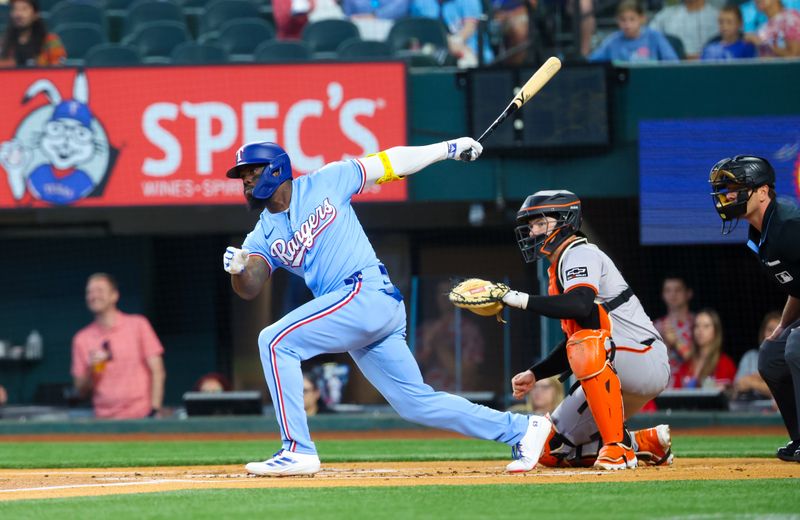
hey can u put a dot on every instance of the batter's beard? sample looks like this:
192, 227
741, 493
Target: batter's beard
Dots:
254, 204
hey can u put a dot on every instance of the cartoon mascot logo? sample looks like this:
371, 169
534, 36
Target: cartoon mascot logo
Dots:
60, 152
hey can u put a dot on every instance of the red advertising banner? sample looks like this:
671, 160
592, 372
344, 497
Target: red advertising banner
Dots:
149, 136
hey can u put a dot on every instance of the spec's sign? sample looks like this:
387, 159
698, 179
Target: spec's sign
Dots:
165, 136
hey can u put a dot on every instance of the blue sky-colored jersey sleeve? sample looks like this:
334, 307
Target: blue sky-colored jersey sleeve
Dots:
256, 243
342, 179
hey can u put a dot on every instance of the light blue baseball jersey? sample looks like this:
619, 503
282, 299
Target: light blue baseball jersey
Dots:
319, 237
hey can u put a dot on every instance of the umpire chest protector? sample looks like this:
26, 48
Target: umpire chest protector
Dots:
778, 245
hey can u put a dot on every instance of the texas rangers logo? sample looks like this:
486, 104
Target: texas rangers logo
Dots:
292, 252
60, 152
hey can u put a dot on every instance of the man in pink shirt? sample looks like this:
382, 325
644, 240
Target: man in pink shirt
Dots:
117, 357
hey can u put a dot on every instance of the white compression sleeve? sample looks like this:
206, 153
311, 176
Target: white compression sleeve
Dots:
404, 160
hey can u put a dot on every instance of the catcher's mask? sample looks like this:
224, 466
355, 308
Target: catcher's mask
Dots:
742, 175
277, 167
564, 206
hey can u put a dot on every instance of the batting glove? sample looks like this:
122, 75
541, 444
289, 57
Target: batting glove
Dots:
456, 149
235, 260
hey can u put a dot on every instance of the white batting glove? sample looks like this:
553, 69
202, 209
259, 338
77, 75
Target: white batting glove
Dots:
235, 260
464, 149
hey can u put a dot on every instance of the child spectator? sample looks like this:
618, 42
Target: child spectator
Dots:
780, 36
694, 22
731, 44
709, 367
676, 327
26, 42
633, 42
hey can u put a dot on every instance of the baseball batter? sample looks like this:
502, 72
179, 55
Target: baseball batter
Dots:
594, 303
308, 227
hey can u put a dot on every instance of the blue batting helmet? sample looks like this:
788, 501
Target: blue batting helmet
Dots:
277, 167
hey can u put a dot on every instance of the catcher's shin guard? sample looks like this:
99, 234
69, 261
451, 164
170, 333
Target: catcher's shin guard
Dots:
589, 362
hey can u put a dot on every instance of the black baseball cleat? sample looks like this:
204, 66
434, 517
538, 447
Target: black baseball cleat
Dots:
790, 452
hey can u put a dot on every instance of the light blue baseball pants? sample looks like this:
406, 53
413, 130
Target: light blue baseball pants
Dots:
366, 317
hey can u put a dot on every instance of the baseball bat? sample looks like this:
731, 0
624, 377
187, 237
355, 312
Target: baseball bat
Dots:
538, 80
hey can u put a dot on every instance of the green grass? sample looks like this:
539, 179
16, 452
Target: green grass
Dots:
748, 499
175, 453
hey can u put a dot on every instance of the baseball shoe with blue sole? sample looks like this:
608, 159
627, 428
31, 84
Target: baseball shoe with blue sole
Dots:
527, 451
284, 464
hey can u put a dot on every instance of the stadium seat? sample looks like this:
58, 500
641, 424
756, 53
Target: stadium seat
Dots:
74, 12
145, 11
3, 16
677, 45
156, 40
221, 11
111, 54
193, 53
327, 35
116, 11
78, 38
282, 52
45, 6
358, 49
241, 37
408, 33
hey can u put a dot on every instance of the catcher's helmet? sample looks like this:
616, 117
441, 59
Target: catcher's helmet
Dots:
277, 167
562, 205
741, 174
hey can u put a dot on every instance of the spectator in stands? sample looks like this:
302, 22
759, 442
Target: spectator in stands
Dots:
312, 400
3, 396
26, 42
780, 36
676, 326
374, 18
731, 45
117, 357
754, 19
748, 385
460, 17
435, 346
708, 367
517, 23
693, 22
290, 17
545, 396
212, 383
633, 42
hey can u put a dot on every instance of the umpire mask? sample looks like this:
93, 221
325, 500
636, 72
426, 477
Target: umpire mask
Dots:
741, 175
564, 206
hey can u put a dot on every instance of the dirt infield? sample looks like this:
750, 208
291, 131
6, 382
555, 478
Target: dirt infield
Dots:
43, 483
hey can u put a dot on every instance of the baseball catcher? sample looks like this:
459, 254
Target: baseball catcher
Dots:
616, 377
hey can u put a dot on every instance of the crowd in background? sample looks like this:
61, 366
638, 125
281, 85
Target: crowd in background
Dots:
484, 32
696, 347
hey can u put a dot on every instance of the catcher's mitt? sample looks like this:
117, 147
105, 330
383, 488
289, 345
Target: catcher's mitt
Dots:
479, 296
